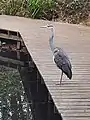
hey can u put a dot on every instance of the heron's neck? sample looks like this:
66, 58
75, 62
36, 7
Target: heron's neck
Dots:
51, 40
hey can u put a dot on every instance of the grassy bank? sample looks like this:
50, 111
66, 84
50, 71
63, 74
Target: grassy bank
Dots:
71, 11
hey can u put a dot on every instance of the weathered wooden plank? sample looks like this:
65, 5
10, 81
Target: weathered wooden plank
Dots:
77, 114
74, 118
5, 36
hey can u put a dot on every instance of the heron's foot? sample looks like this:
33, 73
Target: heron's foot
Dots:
58, 84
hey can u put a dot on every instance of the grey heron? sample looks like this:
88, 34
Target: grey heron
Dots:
60, 57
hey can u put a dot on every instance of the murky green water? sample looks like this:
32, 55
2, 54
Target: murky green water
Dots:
13, 101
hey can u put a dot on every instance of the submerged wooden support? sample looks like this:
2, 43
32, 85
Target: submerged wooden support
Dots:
12, 51
8, 60
8, 34
18, 55
18, 45
43, 105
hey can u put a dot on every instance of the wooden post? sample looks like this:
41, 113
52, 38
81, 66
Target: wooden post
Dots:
42, 81
48, 110
55, 111
17, 34
18, 55
8, 33
0, 43
18, 45
37, 80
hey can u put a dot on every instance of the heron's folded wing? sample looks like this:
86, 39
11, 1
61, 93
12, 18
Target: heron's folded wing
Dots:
62, 63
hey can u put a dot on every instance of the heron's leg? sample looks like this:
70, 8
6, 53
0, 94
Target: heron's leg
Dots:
61, 77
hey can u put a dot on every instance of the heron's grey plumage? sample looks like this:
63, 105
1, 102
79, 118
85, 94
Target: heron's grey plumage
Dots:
62, 61
60, 57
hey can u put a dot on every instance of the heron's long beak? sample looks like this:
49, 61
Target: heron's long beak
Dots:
43, 27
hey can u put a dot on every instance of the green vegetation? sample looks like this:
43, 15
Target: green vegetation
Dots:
28, 8
10, 82
13, 7
72, 11
41, 8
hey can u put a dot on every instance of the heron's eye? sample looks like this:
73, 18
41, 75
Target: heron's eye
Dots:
55, 51
50, 26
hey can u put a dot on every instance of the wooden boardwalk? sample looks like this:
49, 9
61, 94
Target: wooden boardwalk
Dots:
72, 98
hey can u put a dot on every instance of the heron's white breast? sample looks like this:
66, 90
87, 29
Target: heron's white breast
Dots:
53, 59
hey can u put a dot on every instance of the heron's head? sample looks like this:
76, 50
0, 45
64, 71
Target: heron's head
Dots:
47, 26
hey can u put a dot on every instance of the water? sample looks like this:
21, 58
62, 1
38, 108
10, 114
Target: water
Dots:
13, 100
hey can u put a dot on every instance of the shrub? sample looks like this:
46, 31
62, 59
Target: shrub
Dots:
13, 7
42, 9
73, 11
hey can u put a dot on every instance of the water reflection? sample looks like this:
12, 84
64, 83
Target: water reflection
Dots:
13, 101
